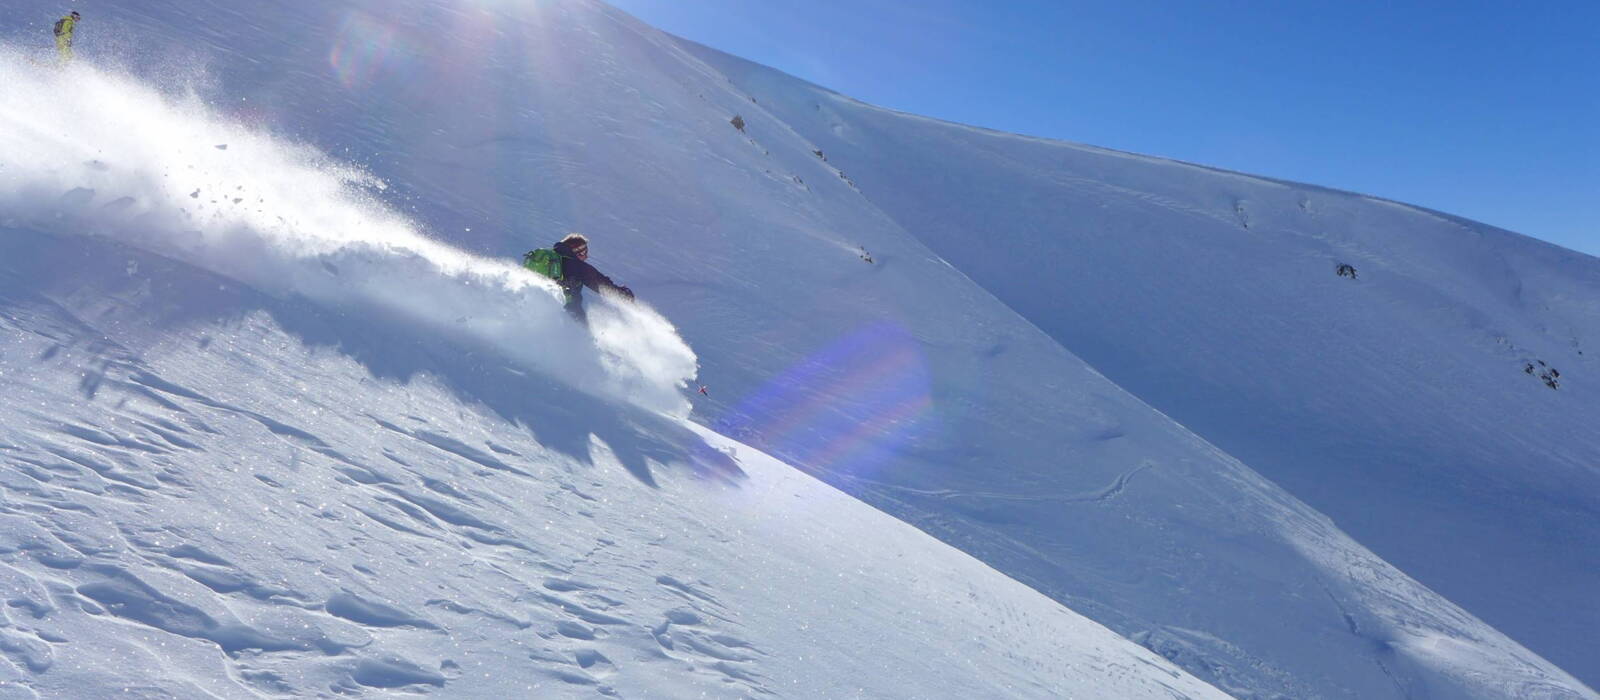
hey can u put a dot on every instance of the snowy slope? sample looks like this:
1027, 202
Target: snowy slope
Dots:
271, 442
1411, 403
210, 492
493, 129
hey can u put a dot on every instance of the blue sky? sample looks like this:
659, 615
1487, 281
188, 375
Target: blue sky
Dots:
1488, 110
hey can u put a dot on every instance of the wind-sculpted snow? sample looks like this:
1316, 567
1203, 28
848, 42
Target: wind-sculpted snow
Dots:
102, 154
202, 496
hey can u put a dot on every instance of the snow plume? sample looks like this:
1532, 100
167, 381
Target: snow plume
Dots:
87, 152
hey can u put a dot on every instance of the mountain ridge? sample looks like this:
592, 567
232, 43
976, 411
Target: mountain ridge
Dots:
1521, 298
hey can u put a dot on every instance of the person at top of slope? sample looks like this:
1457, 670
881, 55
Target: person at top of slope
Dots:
567, 263
64, 28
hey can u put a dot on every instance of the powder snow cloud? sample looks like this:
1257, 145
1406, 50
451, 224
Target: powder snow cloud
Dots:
91, 152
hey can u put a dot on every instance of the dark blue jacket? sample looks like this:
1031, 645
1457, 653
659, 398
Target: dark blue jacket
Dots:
577, 274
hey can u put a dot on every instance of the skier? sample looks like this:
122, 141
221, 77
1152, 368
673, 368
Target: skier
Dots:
567, 263
63, 31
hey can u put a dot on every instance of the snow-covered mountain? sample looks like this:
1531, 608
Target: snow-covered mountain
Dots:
282, 417
1409, 398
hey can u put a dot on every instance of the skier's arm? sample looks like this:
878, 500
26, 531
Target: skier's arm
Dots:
598, 281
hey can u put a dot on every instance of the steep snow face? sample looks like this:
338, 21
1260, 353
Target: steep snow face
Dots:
1428, 382
825, 331
264, 438
207, 491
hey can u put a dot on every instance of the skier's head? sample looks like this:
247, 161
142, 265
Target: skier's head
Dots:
577, 244
75, 15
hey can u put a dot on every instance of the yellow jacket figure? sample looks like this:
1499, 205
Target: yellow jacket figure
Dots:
64, 28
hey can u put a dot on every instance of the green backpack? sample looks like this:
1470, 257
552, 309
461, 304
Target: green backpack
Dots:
543, 261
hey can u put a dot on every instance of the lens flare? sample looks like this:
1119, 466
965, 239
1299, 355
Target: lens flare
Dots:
845, 410
367, 50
